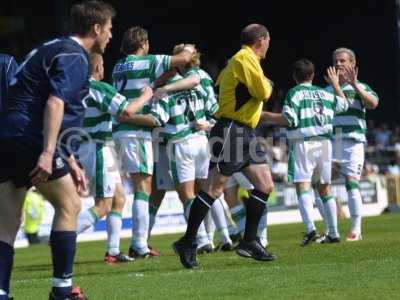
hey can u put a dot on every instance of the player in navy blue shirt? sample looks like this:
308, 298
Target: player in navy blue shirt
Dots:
44, 101
8, 66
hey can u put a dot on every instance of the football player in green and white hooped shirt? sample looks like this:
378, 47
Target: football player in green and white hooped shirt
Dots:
98, 158
179, 113
308, 113
350, 133
135, 71
197, 79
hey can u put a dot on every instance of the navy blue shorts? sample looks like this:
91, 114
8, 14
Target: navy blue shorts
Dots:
234, 146
19, 156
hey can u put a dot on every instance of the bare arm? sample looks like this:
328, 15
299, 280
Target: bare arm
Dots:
134, 106
53, 116
179, 85
143, 120
274, 118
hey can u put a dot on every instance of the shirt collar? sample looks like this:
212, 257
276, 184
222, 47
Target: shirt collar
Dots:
306, 84
248, 49
76, 39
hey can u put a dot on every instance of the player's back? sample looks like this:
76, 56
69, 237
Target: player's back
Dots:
60, 68
309, 110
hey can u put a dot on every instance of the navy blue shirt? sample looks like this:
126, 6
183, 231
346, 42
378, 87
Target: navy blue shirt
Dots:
8, 67
59, 68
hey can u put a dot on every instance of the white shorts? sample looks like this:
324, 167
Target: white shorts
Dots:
162, 171
310, 161
100, 163
136, 155
189, 158
239, 179
349, 156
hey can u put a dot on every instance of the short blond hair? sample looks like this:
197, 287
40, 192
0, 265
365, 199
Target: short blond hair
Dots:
349, 52
194, 62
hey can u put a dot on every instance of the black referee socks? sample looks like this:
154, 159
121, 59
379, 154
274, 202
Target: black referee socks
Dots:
254, 211
198, 211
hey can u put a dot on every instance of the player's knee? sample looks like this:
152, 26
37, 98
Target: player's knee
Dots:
119, 201
70, 206
9, 225
265, 188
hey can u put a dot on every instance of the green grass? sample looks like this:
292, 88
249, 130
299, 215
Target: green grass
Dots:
369, 269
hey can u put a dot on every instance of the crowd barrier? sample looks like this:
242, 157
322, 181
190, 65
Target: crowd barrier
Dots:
282, 207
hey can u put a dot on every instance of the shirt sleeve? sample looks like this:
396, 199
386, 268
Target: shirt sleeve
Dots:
341, 104
108, 99
160, 111
162, 64
11, 69
253, 77
370, 91
290, 112
68, 73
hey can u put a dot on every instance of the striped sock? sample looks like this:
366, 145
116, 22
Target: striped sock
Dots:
63, 247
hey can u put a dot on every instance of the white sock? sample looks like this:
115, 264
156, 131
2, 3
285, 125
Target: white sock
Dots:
153, 209
262, 228
321, 208
218, 216
228, 217
114, 224
331, 215
140, 226
202, 236
355, 208
306, 209
238, 213
86, 219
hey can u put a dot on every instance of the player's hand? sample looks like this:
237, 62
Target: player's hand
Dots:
206, 126
351, 74
332, 76
147, 92
159, 93
78, 176
191, 48
43, 169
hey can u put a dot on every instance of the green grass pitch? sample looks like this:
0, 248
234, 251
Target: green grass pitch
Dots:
369, 269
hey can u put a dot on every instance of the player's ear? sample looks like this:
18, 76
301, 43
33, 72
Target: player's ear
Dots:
97, 29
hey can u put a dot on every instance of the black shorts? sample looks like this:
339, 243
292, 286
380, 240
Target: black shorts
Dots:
234, 146
19, 156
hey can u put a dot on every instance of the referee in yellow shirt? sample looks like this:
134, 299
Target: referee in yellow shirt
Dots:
243, 88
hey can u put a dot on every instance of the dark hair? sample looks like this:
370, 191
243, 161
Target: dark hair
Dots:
89, 13
133, 39
252, 32
303, 69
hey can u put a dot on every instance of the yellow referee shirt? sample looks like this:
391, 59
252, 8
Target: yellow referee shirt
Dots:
243, 88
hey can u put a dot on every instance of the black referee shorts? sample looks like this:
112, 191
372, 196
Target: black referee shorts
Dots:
234, 146
19, 156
